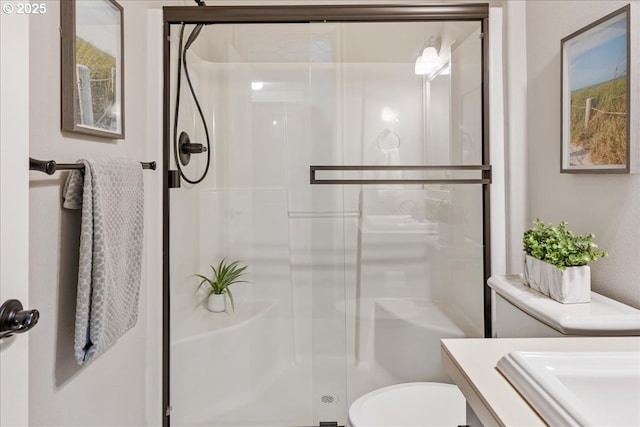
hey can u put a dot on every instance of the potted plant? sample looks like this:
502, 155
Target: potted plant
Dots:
219, 283
555, 262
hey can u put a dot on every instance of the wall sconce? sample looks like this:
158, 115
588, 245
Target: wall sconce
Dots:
428, 61
389, 115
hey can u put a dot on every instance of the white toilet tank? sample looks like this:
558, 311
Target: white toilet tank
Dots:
519, 311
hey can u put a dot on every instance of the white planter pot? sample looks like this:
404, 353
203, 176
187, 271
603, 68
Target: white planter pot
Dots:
573, 285
217, 303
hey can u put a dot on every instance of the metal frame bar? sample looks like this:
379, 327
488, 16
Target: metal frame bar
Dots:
166, 292
313, 13
486, 189
323, 13
486, 174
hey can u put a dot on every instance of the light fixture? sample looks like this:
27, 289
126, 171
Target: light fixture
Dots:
257, 85
428, 61
389, 115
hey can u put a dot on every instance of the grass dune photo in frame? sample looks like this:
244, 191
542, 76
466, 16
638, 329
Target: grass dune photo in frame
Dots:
595, 96
92, 67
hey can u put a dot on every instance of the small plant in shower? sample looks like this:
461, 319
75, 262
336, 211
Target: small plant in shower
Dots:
219, 283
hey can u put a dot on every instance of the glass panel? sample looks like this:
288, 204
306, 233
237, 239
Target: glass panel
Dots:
350, 287
420, 268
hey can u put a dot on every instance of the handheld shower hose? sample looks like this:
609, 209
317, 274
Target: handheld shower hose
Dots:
182, 147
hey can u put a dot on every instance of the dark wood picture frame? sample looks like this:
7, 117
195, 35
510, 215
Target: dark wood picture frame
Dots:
596, 96
92, 68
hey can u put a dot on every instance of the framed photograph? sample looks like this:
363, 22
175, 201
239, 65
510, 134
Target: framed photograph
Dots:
92, 67
596, 96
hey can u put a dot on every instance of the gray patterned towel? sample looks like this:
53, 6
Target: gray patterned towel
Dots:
110, 194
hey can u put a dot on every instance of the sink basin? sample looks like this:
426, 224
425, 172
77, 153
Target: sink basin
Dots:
578, 388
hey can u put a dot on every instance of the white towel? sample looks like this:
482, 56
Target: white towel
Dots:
110, 193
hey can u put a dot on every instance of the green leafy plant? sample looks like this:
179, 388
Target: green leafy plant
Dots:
222, 278
557, 245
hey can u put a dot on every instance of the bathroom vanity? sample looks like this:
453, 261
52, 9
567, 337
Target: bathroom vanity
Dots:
491, 399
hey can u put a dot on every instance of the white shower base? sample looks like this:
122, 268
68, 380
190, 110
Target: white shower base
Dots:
280, 392
220, 360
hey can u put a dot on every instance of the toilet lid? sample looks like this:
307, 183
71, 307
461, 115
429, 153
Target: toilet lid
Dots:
410, 405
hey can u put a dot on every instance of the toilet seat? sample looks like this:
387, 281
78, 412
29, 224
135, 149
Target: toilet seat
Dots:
419, 404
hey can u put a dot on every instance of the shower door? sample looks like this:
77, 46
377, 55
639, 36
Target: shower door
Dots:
353, 189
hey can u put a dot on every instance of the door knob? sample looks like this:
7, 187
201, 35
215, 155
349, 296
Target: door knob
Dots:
14, 319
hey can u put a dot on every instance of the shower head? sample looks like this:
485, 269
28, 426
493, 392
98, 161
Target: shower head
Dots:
200, 2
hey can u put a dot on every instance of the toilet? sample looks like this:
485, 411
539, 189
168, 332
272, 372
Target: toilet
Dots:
517, 312
416, 404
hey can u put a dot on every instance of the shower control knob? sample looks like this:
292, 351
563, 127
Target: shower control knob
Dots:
15, 320
186, 148
193, 148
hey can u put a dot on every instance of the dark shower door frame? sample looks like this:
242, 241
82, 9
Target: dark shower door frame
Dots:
306, 14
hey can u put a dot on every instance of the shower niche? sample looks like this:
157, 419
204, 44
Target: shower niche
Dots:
356, 274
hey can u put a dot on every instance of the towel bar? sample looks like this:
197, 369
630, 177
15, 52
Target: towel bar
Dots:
485, 171
51, 166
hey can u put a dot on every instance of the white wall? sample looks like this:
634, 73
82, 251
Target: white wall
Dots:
515, 132
113, 389
607, 205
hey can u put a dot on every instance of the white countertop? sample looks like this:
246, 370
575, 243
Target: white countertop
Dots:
471, 363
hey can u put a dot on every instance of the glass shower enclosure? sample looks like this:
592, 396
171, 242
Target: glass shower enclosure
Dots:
349, 172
